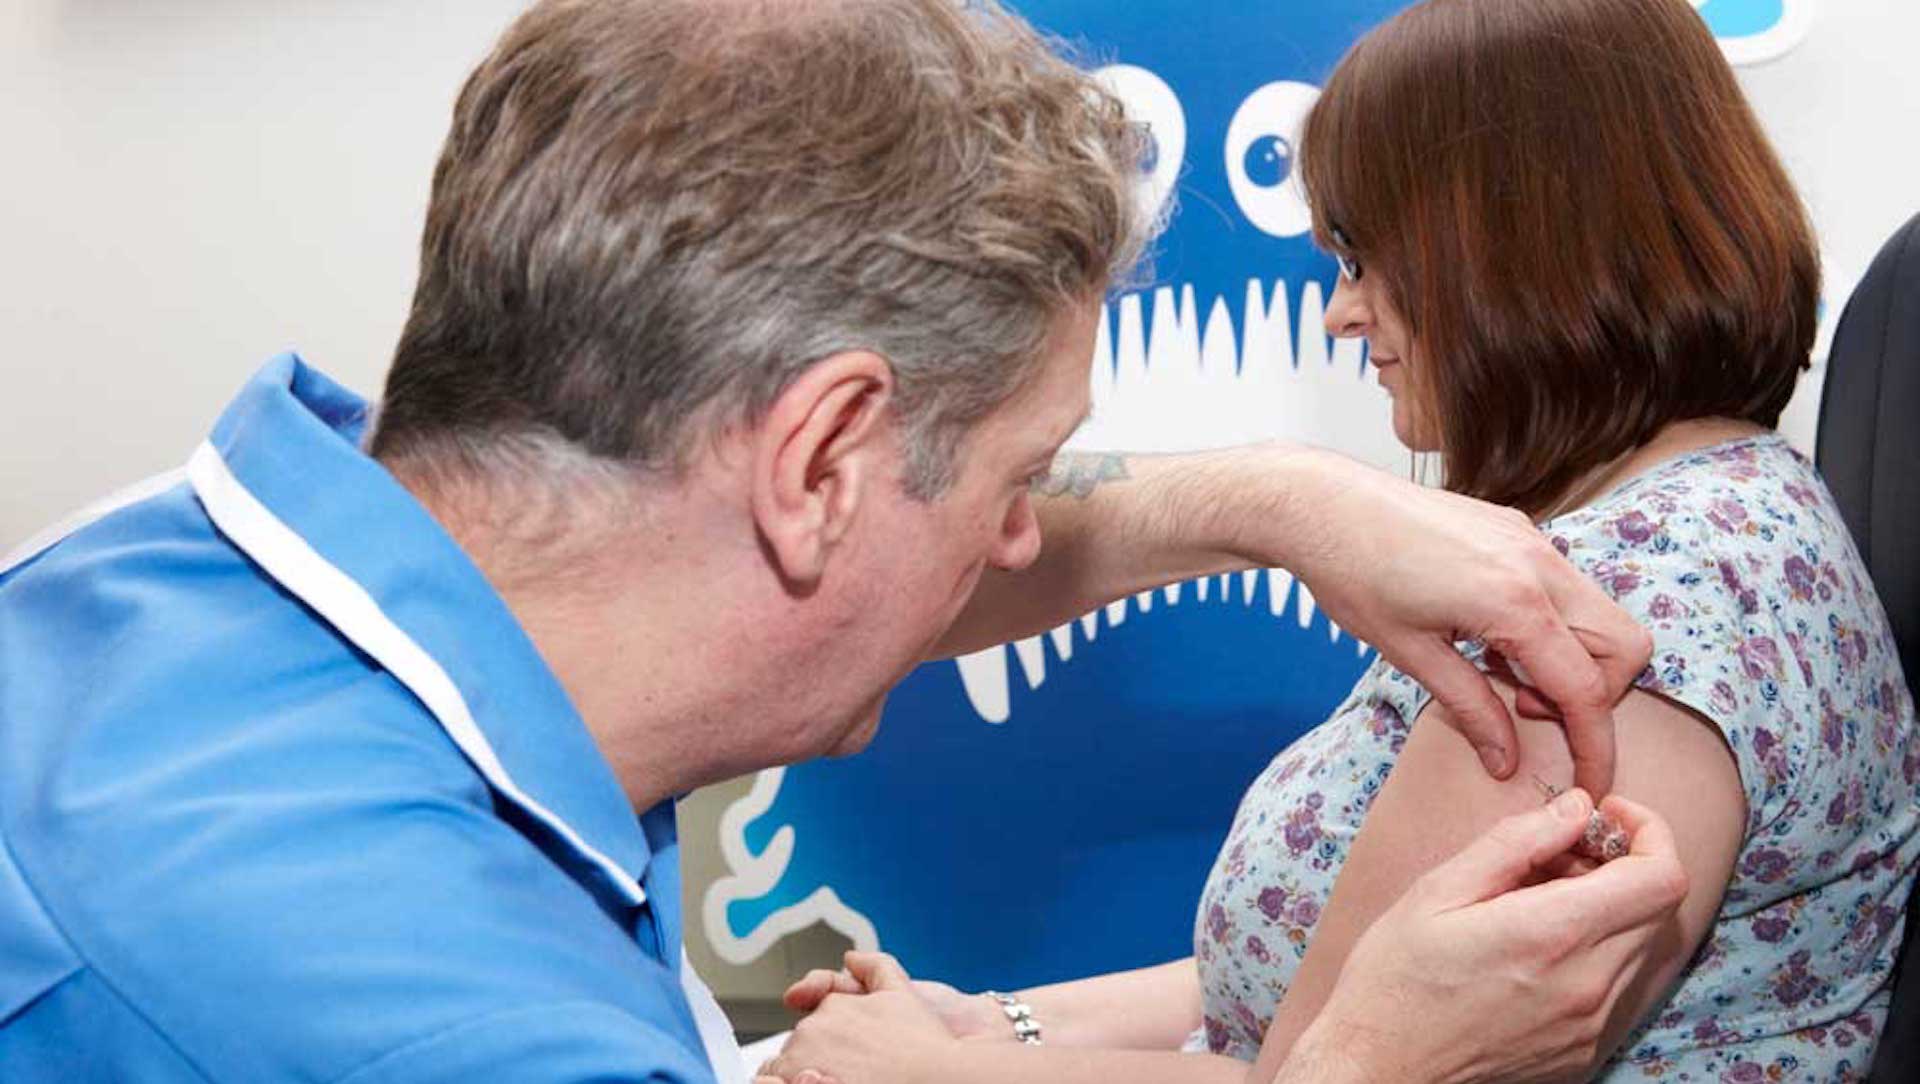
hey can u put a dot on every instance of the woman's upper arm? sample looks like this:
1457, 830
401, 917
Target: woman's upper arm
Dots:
1438, 798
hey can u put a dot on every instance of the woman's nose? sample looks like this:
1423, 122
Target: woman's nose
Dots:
1348, 316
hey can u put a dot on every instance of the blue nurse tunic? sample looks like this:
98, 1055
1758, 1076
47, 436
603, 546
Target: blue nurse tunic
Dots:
287, 794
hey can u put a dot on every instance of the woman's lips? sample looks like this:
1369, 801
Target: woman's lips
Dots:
1383, 371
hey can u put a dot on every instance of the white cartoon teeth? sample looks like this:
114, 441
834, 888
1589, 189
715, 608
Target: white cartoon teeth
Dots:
1179, 387
988, 680
1173, 383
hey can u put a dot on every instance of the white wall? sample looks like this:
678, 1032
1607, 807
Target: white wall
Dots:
1843, 110
189, 187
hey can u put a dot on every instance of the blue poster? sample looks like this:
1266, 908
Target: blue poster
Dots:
1049, 809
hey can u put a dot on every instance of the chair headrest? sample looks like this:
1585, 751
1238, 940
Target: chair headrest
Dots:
1869, 439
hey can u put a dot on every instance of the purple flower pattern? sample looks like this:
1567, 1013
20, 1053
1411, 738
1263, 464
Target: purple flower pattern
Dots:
1764, 623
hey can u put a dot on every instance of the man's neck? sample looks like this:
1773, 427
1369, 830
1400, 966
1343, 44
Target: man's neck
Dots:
630, 618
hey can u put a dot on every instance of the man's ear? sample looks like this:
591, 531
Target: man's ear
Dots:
822, 448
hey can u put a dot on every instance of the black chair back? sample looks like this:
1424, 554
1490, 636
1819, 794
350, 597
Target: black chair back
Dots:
1869, 450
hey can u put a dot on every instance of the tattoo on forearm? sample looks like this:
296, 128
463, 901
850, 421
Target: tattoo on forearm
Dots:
1079, 475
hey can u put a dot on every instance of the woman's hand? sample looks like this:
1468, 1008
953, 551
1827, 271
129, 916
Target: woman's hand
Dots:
886, 1035
966, 1016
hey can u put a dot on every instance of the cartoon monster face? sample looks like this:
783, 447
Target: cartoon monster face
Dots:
1050, 809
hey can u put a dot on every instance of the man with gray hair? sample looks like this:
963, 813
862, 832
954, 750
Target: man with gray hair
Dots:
746, 338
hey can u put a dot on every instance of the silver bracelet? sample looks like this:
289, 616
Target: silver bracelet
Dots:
1020, 1014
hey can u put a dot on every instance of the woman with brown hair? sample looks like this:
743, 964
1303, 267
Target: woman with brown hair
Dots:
1589, 286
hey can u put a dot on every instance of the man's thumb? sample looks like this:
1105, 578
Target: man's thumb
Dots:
1508, 853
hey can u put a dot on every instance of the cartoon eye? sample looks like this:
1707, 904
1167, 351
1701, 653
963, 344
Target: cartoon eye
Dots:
1152, 103
1269, 161
1260, 157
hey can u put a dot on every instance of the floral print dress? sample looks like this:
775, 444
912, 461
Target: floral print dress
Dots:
1764, 622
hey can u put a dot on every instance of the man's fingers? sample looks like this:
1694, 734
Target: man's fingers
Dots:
1571, 864
1614, 640
1561, 667
1509, 853
1527, 701
1627, 894
1590, 740
1631, 894
1529, 704
877, 971
1586, 679
1472, 706
1652, 835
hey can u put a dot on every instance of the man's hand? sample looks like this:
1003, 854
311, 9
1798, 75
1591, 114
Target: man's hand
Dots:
1411, 570
1471, 978
1408, 569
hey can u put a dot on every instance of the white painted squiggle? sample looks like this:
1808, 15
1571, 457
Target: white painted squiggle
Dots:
753, 876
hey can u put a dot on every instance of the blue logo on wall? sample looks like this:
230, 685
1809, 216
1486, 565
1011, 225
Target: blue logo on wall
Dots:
1756, 31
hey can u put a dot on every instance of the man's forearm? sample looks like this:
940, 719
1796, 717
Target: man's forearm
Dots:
1114, 525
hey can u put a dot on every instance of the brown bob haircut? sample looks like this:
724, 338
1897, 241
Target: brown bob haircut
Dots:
1573, 207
